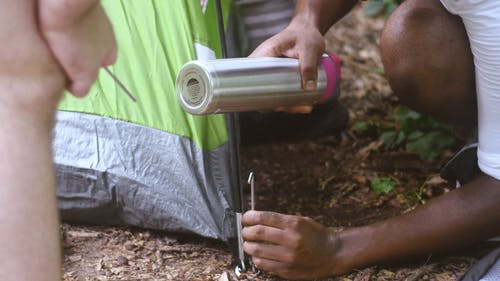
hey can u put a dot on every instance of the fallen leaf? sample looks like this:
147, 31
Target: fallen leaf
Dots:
435, 180
223, 277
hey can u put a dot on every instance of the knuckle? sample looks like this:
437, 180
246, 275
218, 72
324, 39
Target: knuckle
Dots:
255, 232
259, 231
257, 250
246, 232
317, 43
273, 217
248, 247
295, 243
307, 220
253, 249
292, 258
294, 223
259, 217
258, 262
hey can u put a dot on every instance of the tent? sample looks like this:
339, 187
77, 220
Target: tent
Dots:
486, 269
149, 164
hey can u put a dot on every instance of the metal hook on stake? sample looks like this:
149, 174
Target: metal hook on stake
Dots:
251, 182
241, 268
120, 84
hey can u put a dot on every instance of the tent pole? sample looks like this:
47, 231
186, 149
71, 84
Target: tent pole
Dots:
234, 143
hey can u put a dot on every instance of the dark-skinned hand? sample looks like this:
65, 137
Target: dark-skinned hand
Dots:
299, 40
292, 247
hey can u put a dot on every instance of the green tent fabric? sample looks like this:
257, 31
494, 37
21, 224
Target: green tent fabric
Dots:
155, 39
148, 163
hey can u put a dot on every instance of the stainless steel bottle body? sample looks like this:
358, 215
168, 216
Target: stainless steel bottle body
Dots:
248, 84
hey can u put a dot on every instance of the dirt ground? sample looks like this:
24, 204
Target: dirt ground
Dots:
326, 179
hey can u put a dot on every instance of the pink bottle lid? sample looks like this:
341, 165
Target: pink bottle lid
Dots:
331, 65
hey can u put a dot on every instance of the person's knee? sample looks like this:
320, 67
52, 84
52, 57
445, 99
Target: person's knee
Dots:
427, 60
400, 52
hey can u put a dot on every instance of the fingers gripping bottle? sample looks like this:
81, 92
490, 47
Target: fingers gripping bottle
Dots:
248, 84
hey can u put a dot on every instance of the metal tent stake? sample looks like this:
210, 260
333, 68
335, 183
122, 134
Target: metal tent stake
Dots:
120, 84
233, 139
242, 268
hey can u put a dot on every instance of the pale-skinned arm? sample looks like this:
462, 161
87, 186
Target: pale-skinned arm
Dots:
32, 80
31, 84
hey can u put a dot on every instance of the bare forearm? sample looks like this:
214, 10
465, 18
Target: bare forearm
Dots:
28, 207
31, 83
322, 13
462, 217
29, 217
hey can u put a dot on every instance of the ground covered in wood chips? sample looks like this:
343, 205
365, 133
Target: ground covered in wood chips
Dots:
326, 179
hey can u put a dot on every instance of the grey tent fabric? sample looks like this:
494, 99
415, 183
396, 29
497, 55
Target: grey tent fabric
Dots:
115, 172
494, 273
486, 269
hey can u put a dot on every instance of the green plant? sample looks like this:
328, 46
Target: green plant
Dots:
360, 127
418, 133
382, 185
374, 8
411, 131
418, 194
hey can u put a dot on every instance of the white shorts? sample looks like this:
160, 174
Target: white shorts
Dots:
482, 23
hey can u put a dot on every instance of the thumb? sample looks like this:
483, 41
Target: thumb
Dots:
308, 65
309, 56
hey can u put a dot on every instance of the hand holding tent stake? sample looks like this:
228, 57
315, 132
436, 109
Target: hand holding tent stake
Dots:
242, 268
120, 84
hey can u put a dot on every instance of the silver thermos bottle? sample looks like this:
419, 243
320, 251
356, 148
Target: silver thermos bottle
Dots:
248, 84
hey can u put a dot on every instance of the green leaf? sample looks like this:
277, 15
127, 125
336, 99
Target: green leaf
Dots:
360, 127
415, 135
404, 114
400, 138
378, 70
388, 138
408, 119
382, 185
430, 145
374, 8
390, 6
